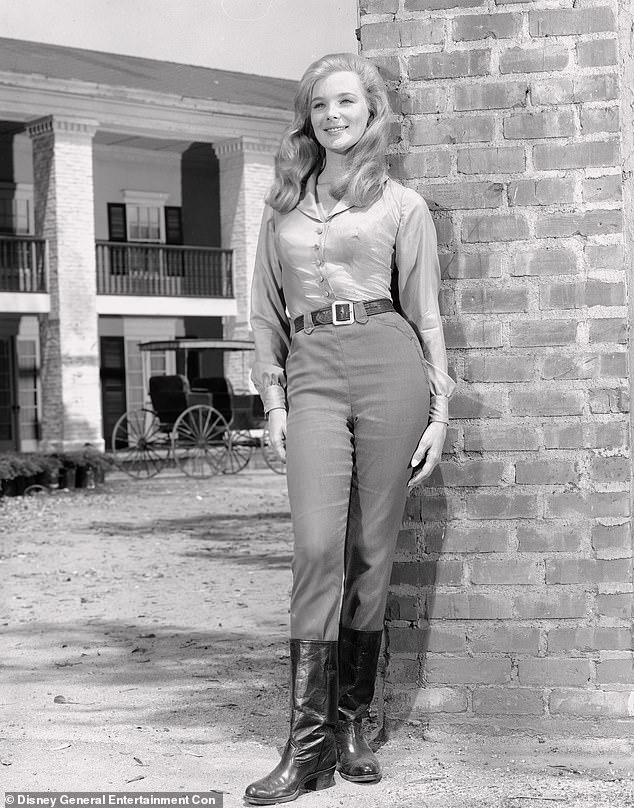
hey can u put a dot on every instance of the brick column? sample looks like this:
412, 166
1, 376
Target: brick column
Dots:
64, 216
246, 174
511, 593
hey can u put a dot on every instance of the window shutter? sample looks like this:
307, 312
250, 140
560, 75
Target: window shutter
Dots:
117, 228
173, 225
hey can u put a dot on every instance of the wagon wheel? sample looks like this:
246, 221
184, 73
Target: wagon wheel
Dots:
139, 447
200, 441
271, 457
240, 448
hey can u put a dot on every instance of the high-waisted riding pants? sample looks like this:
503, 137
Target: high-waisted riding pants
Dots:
358, 400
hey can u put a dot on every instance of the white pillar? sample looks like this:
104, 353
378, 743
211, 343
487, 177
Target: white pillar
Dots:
64, 216
247, 169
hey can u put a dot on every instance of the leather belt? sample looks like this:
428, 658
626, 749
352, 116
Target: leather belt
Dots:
341, 312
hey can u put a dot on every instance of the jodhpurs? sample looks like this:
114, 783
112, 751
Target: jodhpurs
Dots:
358, 401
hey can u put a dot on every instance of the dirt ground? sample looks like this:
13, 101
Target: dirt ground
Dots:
144, 648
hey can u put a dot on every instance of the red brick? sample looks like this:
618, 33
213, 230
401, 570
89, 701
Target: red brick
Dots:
585, 436
604, 256
552, 672
475, 265
541, 59
579, 294
588, 570
493, 160
434, 130
502, 505
609, 329
405, 640
552, 91
540, 125
597, 53
473, 335
485, 300
610, 400
546, 472
591, 703
402, 34
402, 670
584, 366
591, 505
474, 404
555, 602
518, 571
420, 164
469, 606
494, 228
466, 670
469, 473
418, 97
548, 536
401, 607
595, 88
616, 671
612, 538
543, 332
571, 21
447, 302
502, 639
378, 6
444, 230
588, 223
616, 606
589, 638
464, 195
500, 438
449, 64
599, 119
557, 191
465, 537
546, 402
497, 368
482, 26
508, 701
424, 701
406, 541
602, 189
430, 506
544, 261
500, 95
433, 5
426, 573
388, 66
441, 639
610, 469
576, 155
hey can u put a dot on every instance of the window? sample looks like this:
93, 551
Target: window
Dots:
16, 209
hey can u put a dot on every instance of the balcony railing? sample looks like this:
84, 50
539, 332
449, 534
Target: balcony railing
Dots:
163, 270
22, 264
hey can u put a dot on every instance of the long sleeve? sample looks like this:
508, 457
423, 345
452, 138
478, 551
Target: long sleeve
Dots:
418, 283
269, 320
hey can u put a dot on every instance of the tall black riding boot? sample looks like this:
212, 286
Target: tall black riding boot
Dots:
310, 755
358, 660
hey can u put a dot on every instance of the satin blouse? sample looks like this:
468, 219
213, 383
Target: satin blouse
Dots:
306, 259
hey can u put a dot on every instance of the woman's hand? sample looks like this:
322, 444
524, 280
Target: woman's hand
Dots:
429, 450
277, 431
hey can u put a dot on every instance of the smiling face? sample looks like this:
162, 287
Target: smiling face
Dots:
339, 111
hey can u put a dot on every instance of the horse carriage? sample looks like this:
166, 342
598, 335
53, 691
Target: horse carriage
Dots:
199, 425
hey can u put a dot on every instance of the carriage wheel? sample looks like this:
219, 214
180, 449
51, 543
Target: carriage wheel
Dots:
200, 441
139, 447
271, 457
239, 451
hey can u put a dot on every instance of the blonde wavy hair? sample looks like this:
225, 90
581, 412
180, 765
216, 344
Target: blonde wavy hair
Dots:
300, 154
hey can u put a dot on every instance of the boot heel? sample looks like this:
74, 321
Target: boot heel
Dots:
323, 780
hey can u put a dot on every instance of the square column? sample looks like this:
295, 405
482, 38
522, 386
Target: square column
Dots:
247, 170
64, 216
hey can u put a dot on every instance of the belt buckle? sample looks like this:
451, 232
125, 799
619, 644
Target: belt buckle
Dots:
342, 312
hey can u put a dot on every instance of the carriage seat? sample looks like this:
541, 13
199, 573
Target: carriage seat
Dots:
171, 395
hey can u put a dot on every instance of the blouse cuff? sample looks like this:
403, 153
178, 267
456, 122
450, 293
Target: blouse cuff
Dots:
273, 397
439, 409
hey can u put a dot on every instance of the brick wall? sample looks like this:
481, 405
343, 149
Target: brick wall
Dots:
511, 597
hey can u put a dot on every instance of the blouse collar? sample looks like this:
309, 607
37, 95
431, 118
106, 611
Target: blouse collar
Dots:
309, 206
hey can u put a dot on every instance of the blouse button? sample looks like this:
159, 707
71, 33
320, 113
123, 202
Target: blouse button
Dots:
328, 294
320, 230
315, 246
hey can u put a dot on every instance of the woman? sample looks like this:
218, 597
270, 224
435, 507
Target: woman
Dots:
356, 376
